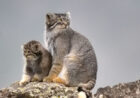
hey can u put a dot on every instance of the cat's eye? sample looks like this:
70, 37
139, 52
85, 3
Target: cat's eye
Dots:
63, 18
60, 19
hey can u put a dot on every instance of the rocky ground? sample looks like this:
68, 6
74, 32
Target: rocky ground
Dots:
52, 90
38, 90
122, 90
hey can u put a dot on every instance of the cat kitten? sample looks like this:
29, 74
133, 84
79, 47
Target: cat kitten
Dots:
74, 61
37, 62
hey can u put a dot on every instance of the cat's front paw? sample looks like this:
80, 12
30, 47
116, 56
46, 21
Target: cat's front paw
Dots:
59, 80
48, 79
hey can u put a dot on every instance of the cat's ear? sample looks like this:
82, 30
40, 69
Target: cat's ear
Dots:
50, 15
68, 15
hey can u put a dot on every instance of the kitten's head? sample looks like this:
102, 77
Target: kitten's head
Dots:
57, 21
32, 50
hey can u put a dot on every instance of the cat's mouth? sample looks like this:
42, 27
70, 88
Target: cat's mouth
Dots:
52, 26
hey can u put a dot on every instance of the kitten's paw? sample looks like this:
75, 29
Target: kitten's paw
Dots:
23, 83
36, 78
48, 79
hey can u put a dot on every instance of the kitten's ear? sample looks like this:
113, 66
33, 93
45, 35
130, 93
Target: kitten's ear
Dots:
36, 47
22, 46
68, 15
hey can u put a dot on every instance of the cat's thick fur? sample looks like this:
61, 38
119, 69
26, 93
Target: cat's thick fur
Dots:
37, 62
74, 62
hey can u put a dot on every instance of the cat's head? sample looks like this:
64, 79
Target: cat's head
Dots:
32, 50
57, 21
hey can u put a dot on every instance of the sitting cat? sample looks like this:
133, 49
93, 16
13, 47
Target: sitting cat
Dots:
73, 59
37, 62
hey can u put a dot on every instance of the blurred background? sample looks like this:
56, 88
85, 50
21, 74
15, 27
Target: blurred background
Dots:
112, 26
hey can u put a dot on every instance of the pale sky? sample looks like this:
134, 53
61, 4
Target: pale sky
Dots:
112, 26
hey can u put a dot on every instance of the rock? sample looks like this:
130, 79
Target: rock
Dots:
122, 90
54, 90
38, 90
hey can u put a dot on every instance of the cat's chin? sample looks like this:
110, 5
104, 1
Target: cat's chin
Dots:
59, 30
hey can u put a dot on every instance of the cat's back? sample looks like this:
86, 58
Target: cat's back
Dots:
79, 42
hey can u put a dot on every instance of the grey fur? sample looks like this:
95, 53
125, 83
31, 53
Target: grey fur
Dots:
37, 62
76, 53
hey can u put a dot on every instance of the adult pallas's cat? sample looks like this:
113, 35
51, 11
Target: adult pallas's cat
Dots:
74, 61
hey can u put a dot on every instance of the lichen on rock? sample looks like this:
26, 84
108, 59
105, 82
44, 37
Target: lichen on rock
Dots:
122, 90
38, 90
54, 90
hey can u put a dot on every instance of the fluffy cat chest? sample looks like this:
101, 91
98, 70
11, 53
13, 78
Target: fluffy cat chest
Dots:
50, 46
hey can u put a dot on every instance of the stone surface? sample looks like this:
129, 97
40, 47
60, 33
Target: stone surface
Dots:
122, 90
53, 90
38, 90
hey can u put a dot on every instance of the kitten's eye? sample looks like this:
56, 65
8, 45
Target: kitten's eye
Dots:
28, 51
